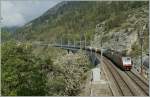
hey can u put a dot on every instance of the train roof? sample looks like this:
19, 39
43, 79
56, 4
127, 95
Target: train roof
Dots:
122, 53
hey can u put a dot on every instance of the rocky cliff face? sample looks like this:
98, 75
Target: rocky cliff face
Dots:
125, 36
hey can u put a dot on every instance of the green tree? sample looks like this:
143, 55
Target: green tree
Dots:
22, 72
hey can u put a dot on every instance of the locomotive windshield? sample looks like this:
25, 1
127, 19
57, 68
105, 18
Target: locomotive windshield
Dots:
126, 60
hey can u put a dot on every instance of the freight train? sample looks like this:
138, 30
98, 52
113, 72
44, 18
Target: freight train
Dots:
122, 61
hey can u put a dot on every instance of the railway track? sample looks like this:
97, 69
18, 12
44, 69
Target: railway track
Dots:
123, 87
139, 82
115, 82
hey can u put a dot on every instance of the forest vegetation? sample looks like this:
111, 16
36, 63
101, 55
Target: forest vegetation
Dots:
33, 70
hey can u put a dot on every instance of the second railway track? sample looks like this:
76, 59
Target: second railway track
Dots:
128, 83
139, 82
123, 87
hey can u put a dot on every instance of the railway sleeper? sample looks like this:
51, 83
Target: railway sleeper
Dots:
121, 83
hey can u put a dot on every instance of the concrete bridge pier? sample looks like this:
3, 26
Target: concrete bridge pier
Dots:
93, 58
73, 51
68, 51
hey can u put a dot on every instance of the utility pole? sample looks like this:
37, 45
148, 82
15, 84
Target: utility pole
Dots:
101, 27
81, 40
142, 25
74, 43
141, 37
116, 42
101, 49
80, 44
85, 39
68, 42
61, 41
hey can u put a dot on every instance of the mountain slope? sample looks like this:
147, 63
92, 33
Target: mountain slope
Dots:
71, 19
